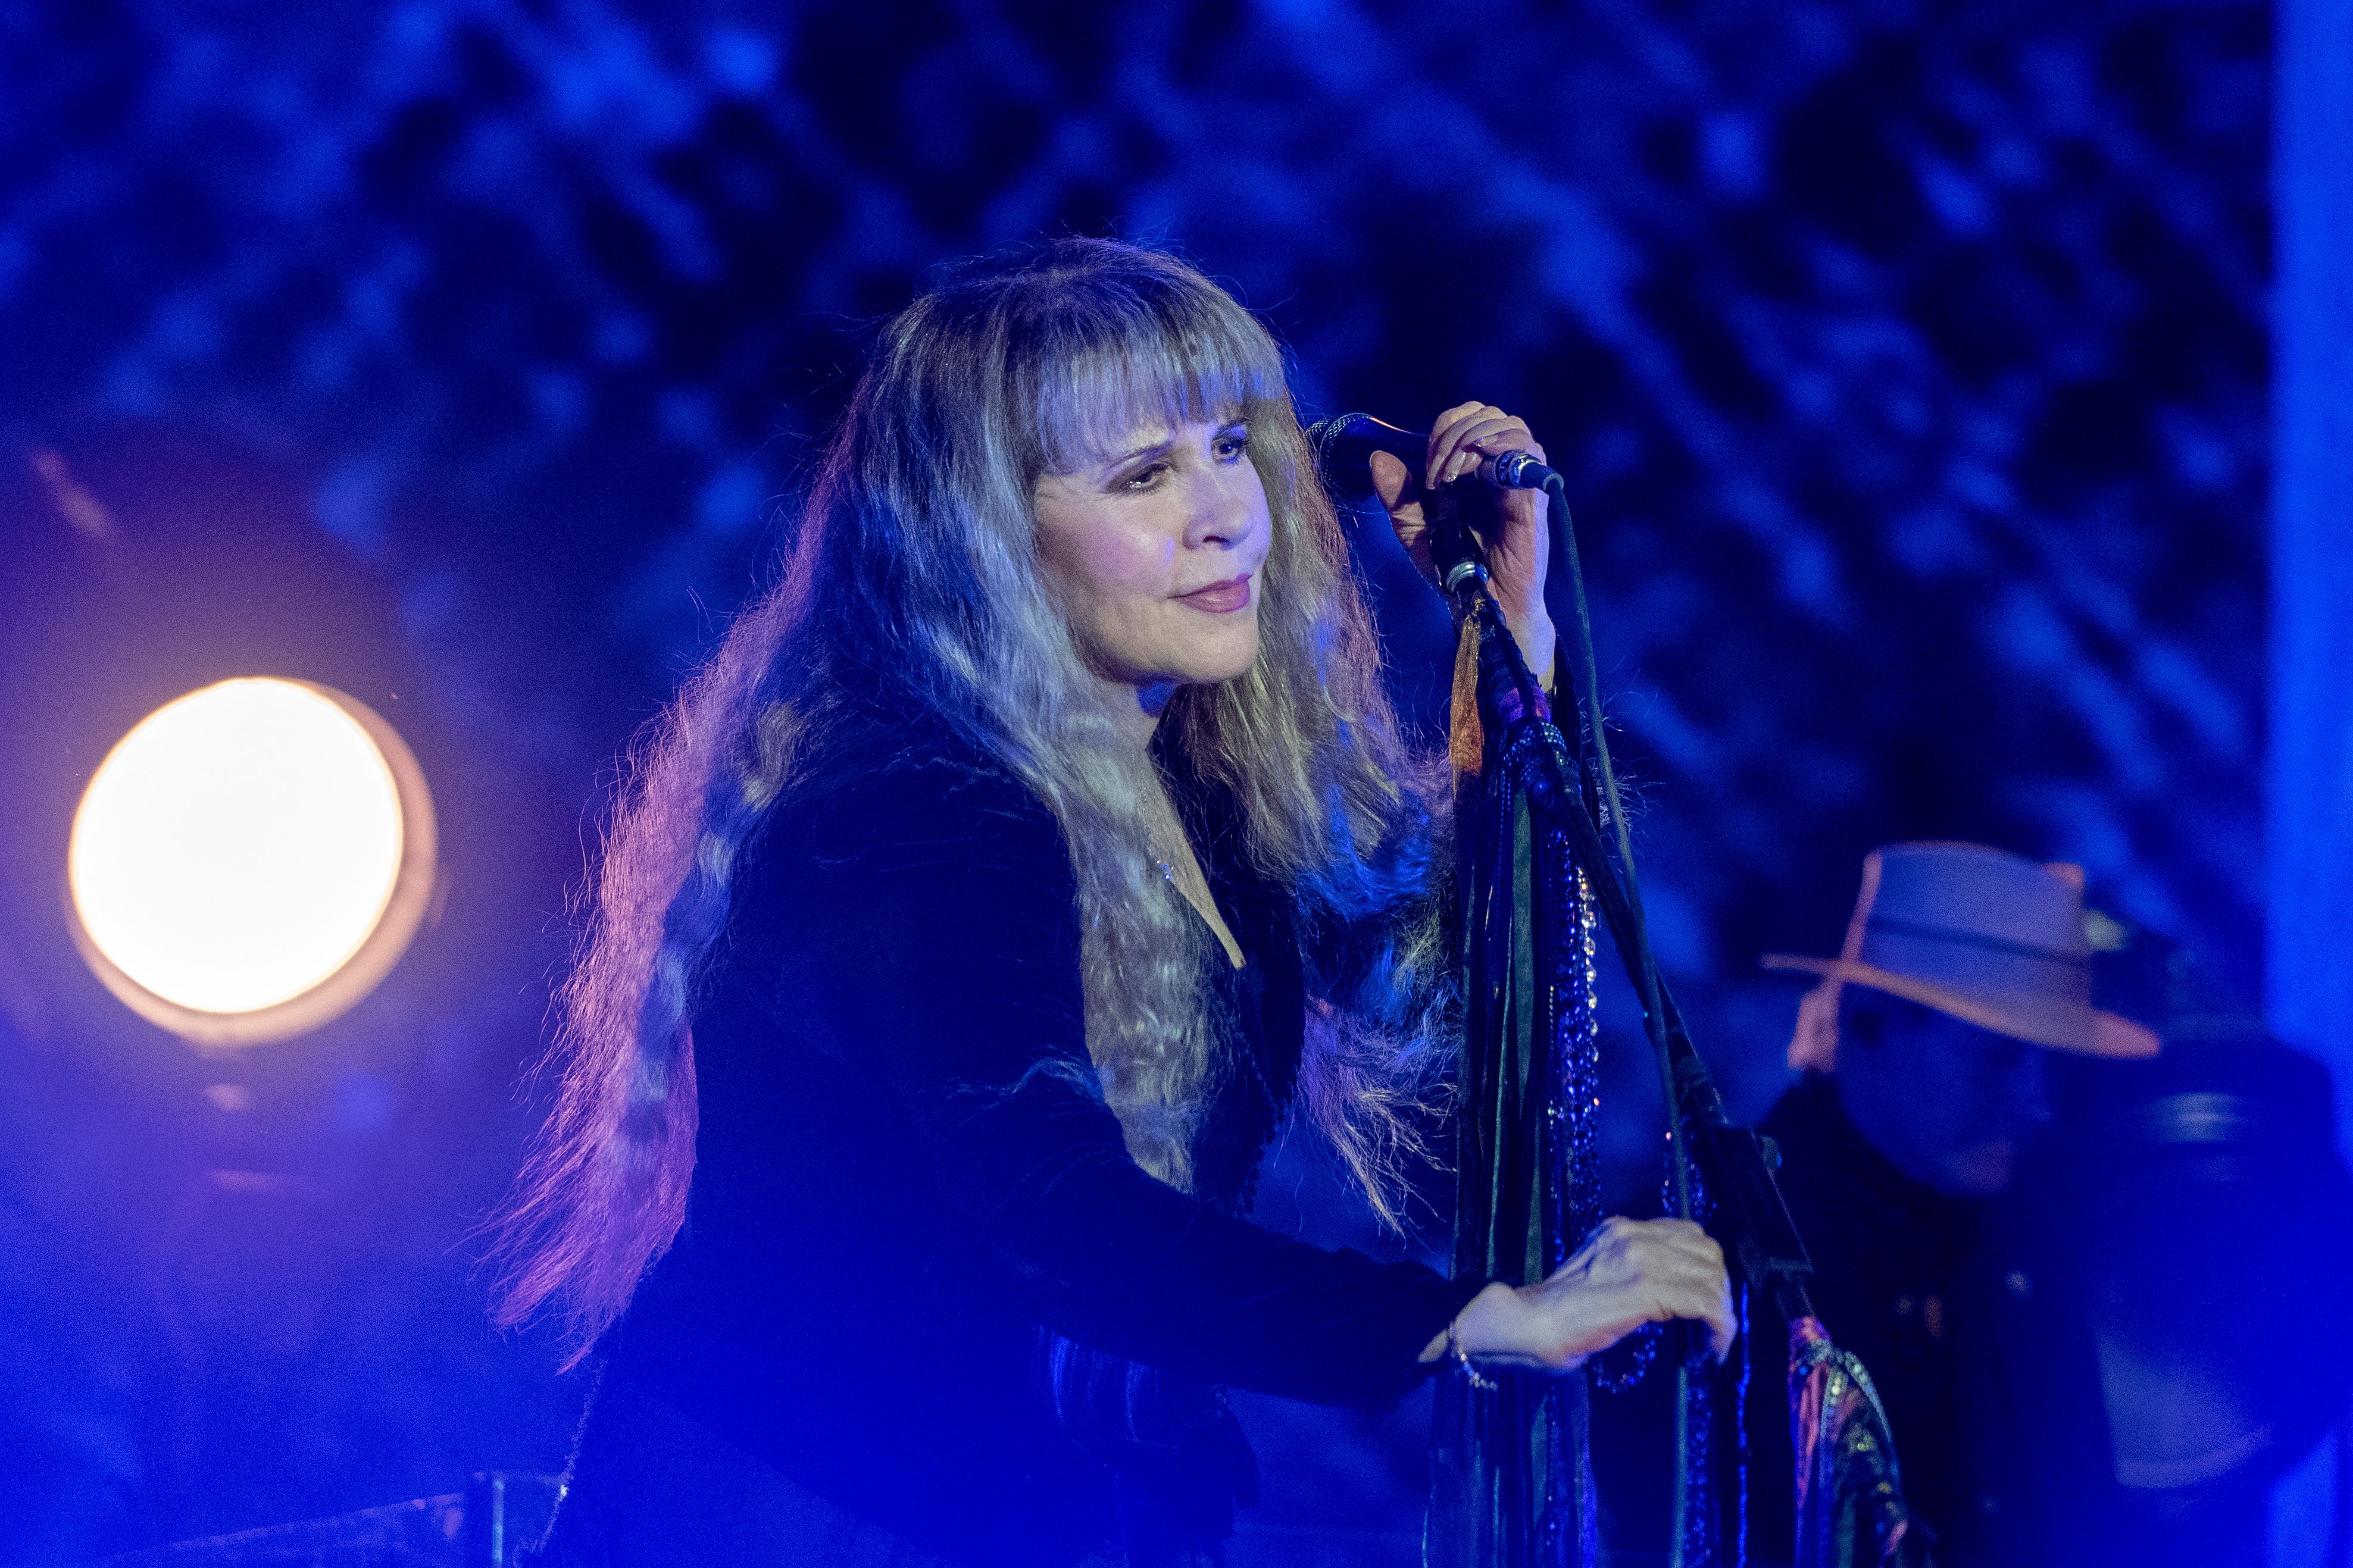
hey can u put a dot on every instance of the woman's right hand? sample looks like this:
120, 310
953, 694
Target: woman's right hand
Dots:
1627, 1273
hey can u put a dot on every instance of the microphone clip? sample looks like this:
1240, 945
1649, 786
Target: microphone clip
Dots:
1454, 549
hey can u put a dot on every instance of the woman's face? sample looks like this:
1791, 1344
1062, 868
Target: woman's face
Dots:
1155, 548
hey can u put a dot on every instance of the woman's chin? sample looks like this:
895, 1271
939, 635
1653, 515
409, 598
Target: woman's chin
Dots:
1216, 672
1195, 660
1214, 662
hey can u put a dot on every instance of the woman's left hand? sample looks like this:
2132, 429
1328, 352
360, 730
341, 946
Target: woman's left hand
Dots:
1518, 552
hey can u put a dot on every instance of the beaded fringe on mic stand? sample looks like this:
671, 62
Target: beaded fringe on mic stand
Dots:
1512, 1485
1513, 1482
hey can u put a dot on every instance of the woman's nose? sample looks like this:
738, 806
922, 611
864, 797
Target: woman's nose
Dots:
1218, 510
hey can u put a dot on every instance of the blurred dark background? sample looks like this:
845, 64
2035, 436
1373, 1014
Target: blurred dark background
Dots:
1908, 362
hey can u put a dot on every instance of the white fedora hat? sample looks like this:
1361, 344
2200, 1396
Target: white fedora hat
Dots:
1987, 937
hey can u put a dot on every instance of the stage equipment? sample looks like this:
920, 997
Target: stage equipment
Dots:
1513, 1482
250, 860
496, 1522
2228, 1137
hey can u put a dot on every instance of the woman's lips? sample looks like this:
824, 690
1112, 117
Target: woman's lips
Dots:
1221, 598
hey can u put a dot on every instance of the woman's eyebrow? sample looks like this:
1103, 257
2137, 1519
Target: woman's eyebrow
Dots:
1161, 447
1149, 449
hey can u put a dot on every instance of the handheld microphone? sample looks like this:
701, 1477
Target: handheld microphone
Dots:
1343, 447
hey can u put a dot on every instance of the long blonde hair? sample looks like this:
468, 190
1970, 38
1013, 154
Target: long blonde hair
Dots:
911, 573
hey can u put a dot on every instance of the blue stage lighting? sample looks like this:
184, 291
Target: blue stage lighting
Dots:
250, 860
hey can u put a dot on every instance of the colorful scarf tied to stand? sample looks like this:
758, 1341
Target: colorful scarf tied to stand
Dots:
1850, 1509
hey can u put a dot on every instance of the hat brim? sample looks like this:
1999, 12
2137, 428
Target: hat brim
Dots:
2086, 1031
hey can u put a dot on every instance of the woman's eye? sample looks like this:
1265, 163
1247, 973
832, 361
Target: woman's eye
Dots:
1233, 445
1144, 477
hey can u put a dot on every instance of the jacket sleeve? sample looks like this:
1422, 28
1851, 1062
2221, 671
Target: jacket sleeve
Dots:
952, 944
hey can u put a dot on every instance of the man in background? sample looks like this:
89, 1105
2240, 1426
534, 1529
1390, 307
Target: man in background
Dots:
1926, 1047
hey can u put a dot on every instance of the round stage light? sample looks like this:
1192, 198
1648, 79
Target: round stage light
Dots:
250, 860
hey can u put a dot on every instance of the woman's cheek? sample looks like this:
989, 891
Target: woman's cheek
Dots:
1132, 565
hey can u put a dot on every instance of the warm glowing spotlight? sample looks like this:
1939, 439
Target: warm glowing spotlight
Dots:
250, 859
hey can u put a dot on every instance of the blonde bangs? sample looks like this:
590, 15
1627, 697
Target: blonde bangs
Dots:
1114, 361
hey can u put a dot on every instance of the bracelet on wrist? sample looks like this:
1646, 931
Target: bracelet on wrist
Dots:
1461, 1358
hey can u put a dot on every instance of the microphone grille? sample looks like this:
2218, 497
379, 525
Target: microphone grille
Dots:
1340, 452
1324, 432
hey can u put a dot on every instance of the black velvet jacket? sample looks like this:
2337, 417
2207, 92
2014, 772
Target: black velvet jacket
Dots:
909, 1200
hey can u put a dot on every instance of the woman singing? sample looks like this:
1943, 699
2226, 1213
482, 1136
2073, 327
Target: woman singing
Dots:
972, 920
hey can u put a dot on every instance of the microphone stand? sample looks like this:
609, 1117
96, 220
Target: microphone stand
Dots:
1851, 1508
